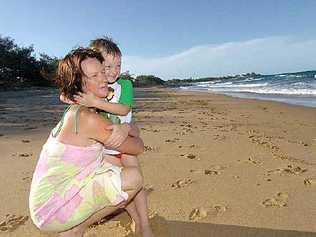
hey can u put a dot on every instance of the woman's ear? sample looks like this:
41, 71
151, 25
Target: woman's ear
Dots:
84, 85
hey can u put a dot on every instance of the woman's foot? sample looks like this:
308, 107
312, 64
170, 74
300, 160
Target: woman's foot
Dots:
75, 232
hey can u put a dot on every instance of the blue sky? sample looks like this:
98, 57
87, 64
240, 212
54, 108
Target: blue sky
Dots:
174, 39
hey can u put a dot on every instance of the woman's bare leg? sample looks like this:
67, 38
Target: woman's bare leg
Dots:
131, 183
138, 209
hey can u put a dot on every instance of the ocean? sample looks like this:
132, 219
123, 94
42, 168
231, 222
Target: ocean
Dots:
298, 89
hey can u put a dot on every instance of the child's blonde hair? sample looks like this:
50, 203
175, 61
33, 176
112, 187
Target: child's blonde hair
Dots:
106, 45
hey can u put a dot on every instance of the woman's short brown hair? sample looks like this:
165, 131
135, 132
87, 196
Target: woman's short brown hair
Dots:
69, 72
107, 45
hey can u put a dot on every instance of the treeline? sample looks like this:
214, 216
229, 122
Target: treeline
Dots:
19, 66
151, 80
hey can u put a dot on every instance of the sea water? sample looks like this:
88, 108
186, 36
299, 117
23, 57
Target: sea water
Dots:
289, 88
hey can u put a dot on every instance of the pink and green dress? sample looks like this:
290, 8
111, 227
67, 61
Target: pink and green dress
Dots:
70, 183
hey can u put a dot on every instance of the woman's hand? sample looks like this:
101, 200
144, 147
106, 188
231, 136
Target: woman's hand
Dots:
118, 136
87, 99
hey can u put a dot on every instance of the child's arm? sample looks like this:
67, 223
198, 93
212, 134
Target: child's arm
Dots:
90, 100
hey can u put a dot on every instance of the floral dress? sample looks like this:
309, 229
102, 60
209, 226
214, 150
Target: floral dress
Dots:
70, 183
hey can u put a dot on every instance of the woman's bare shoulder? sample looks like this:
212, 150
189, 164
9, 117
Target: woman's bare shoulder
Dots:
90, 118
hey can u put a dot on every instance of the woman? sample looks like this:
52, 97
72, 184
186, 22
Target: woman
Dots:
73, 184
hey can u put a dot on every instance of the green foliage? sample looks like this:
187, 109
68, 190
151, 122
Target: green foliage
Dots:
19, 67
147, 81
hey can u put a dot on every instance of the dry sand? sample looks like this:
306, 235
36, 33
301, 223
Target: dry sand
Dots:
213, 165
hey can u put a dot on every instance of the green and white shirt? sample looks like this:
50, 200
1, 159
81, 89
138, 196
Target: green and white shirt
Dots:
123, 94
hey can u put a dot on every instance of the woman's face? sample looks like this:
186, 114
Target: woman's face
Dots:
94, 78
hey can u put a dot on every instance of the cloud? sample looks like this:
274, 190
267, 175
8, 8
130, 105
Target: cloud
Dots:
265, 55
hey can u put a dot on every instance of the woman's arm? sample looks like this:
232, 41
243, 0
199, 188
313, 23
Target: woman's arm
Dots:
95, 127
120, 132
131, 129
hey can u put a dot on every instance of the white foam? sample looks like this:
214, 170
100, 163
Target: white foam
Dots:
279, 91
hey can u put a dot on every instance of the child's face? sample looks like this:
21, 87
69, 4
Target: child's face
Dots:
112, 65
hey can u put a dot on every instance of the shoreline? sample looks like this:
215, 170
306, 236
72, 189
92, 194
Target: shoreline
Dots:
211, 163
281, 98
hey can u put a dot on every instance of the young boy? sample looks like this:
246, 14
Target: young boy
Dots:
118, 108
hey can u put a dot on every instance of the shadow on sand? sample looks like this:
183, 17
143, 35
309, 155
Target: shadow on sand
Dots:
165, 228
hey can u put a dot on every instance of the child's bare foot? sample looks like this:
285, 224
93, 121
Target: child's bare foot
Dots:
147, 232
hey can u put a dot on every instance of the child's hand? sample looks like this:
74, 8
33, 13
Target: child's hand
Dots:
118, 136
65, 100
87, 99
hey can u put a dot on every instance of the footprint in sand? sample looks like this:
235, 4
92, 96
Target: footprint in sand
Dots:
203, 212
180, 183
196, 171
27, 178
290, 170
191, 156
214, 170
310, 181
168, 140
251, 160
172, 140
25, 154
280, 200
218, 137
12, 222
150, 148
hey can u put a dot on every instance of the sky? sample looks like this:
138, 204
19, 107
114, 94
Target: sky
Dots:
174, 39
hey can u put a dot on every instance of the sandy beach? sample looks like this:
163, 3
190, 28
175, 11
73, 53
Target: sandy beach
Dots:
213, 165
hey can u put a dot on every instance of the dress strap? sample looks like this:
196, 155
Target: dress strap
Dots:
61, 122
76, 118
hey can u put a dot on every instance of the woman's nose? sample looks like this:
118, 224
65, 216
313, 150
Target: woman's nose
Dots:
102, 78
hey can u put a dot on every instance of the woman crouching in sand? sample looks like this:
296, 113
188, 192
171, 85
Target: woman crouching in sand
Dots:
73, 185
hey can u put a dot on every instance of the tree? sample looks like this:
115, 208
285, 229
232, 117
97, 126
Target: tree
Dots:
147, 81
19, 66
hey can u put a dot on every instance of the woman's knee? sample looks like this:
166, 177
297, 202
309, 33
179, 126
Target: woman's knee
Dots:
132, 179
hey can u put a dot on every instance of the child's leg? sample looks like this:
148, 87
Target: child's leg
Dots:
130, 208
132, 211
140, 200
